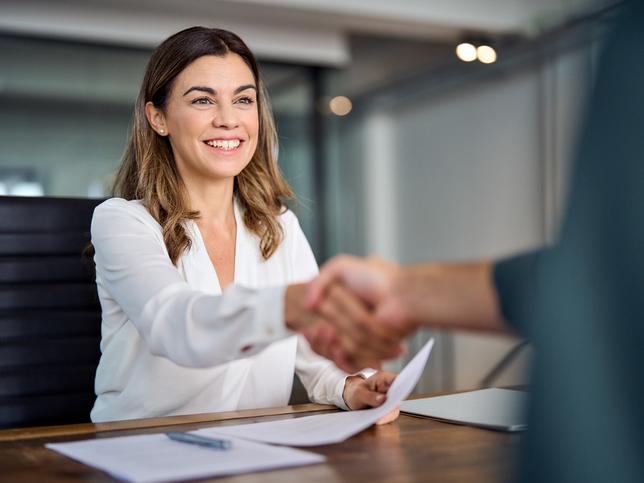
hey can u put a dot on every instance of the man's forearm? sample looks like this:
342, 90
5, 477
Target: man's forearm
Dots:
454, 295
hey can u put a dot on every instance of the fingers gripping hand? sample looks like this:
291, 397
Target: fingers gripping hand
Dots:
322, 338
360, 332
370, 279
340, 311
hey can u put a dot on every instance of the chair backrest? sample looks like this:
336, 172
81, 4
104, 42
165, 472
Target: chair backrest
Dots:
50, 317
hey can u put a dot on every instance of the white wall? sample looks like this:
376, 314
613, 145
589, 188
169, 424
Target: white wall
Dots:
469, 173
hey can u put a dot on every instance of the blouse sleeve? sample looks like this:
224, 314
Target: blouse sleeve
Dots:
323, 381
187, 326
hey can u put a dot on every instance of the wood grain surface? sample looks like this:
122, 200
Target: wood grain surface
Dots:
409, 450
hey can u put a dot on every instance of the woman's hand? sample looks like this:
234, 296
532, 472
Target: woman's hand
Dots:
360, 393
339, 327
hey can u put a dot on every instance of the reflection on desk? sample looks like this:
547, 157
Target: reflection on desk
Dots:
408, 450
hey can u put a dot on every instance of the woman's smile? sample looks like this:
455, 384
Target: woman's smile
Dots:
224, 146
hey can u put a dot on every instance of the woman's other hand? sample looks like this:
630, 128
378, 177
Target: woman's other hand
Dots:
360, 393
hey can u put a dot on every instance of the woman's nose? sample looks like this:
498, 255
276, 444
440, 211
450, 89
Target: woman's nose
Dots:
225, 117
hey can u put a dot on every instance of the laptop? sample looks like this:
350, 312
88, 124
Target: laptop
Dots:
494, 408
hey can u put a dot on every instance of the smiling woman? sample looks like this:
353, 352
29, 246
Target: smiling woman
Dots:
200, 268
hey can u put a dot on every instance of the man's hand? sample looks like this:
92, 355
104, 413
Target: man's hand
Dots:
372, 279
338, 327
377, 282
374, 282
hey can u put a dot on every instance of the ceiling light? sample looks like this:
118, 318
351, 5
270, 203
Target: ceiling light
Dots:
466, 52
486, 54
340, 105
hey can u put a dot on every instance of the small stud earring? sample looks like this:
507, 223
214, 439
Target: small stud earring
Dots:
162, 131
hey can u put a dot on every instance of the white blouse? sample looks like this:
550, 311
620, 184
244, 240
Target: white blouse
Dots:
172, 343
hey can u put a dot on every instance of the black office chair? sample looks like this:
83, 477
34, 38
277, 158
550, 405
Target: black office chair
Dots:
50, 317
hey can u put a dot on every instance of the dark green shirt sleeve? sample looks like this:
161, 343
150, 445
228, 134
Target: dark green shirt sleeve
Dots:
515, 279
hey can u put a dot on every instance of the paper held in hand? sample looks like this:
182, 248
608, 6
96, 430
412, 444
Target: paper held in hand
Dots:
329, 428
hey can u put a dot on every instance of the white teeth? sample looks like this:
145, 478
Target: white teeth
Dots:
224, 144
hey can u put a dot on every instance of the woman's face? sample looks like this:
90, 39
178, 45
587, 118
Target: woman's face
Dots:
211, 117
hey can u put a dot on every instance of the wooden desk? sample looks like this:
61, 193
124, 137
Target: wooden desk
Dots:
408, 450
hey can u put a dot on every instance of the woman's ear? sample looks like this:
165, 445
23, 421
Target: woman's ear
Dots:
156, 119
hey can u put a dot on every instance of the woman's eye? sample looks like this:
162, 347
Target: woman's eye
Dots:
245, 100
202, 101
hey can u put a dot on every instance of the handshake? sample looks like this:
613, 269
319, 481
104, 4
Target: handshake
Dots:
358, 312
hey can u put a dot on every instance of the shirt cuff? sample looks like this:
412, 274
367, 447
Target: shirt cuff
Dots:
366, 373
339, 394
270, 313
268, 319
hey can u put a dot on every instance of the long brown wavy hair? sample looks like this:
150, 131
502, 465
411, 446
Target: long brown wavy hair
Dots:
149, 173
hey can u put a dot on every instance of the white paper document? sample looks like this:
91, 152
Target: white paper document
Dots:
154, 458
329, 428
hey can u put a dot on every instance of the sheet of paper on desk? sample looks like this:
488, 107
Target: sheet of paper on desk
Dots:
153, 458
329, 428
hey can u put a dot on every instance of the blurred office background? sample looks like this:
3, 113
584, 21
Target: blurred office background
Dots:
394, 145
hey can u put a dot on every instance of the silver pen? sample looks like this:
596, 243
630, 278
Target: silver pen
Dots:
214, 443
